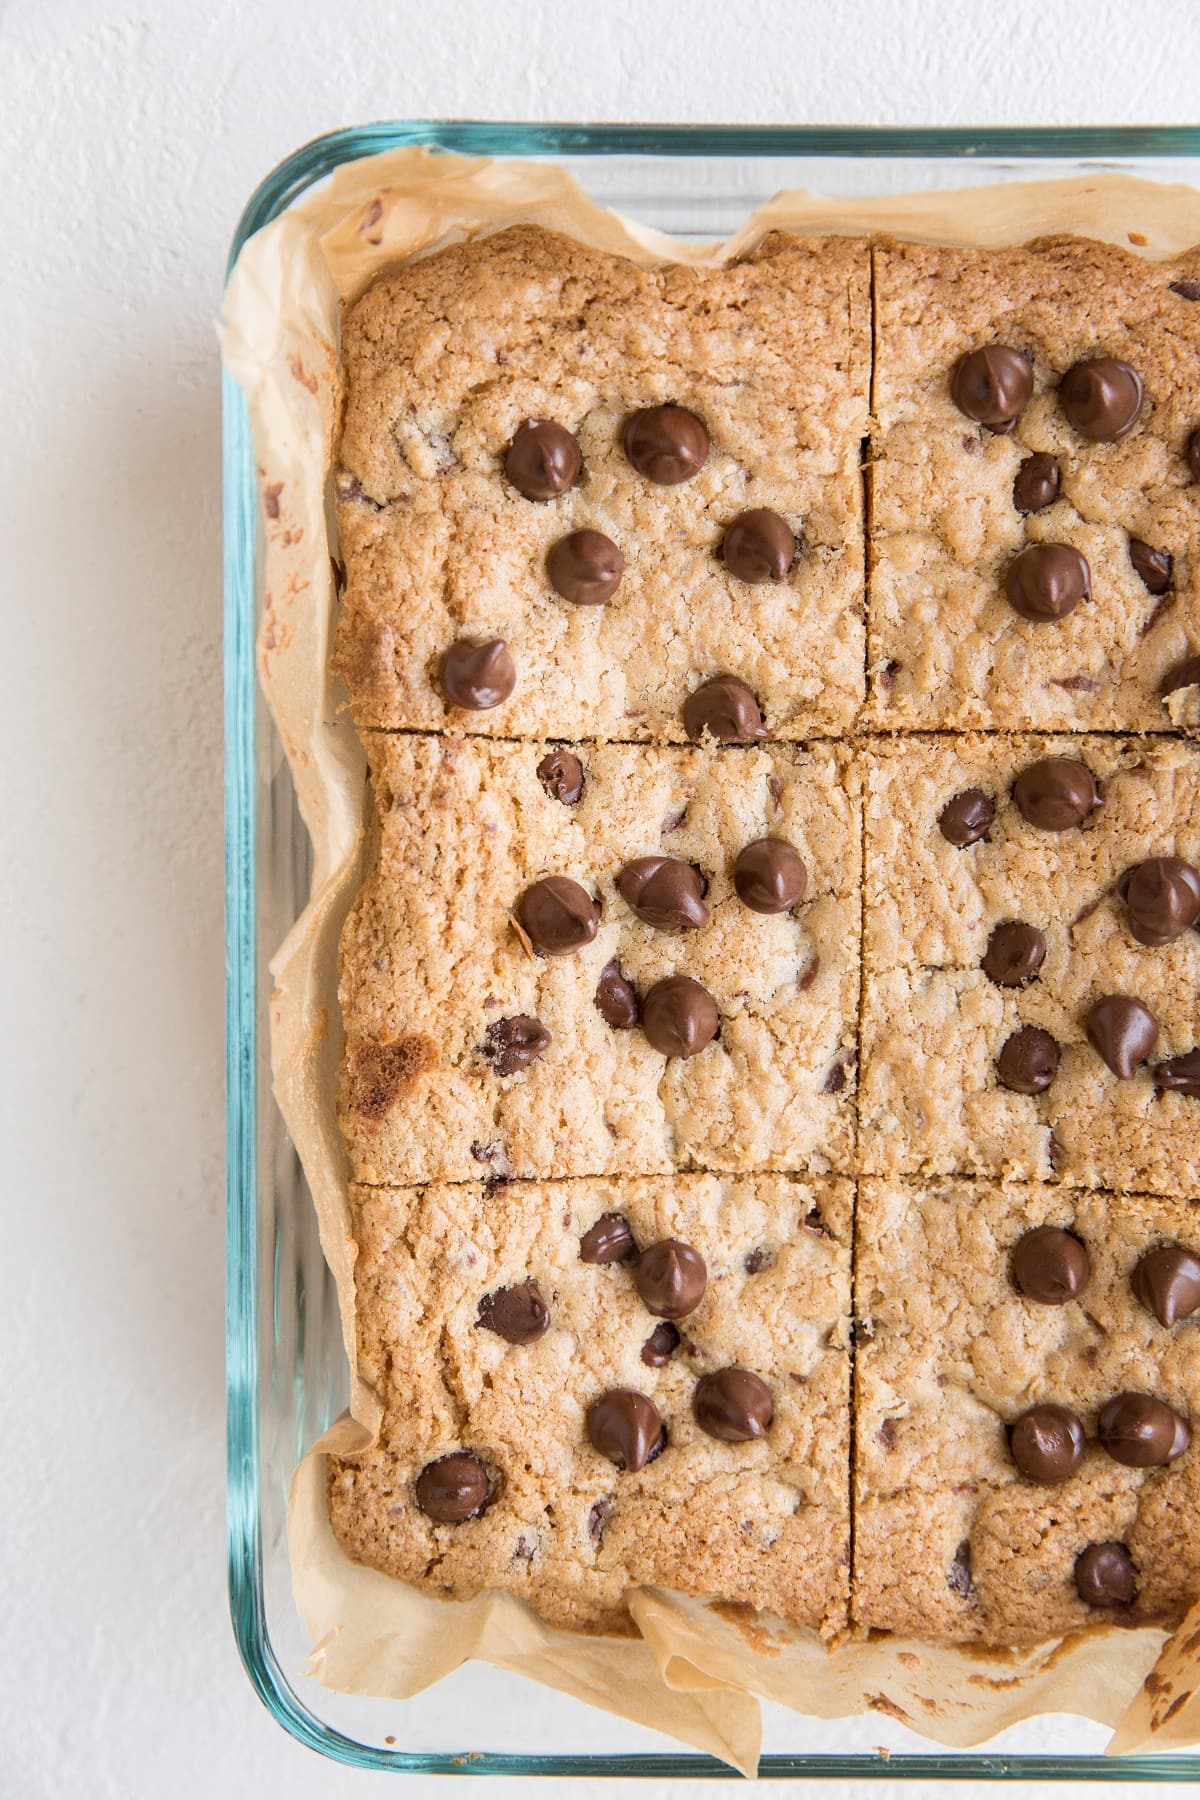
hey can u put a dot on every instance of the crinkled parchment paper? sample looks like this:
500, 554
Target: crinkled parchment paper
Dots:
696, 1668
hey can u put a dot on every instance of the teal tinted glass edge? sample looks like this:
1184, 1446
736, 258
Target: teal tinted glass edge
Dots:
279, 189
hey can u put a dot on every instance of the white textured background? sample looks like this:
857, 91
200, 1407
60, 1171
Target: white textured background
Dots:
129, 138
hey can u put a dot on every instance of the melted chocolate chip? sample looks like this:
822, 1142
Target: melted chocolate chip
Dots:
1036, 483
1187, 290
625, 1426
759, 546
1028, 1061
756, 1260
769, 876
1179, 1074
1122, 1032
1047, 1444
967, 818
585, 567
558, 916
609, 1240
615, 998
664, 892
478, 673
517, 1314
1141, 1431
1050, 1265
1102, 398
514, 1043
1162, 897
453, 1488
495, 1160
1167, 1282
561, 774
666, 444
1184, 674
671, 1278
733, 1405
1105, 1575
543, 460
1014, 954
660, 1346
1154, 566
1055, 793
724, 707
601, 1512
679, 1017
958, 1575
992, 385
1047, 581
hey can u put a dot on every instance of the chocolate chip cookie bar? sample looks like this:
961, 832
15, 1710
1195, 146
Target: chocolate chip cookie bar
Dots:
594, 1386
1031, 962
1027, 1362
602, 959
570, 491
1035, 533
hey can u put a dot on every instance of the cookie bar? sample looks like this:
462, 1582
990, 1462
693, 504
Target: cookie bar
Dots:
1031, 962
1028, 398
606, 959
506, 1328
978, 1307
630, 480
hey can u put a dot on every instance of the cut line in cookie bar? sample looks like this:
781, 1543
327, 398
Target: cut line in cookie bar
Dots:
1032, 960
571, 491
601, 961
1027, 1383
593, 1386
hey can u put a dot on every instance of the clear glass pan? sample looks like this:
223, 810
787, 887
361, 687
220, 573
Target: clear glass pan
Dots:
286, 1372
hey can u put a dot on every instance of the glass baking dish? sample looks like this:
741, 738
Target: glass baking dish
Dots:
286, 1373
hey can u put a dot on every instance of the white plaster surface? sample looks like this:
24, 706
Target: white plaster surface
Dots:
129, 137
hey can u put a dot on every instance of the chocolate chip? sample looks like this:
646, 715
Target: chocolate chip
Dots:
724, 707
615, 998
1047, 581
1050, 1265
1184, 674
478, 673
666, 444
453, 1488
1014, 954
1154, 566
1102, 398
609, 1240
585, 567
558, 916
514, 1043
1193, 455
624, 1426
495, 1160
601, 1512
733, 1405
664, 892
1141, 1431
769, 876
1028, 1062
958, 1575
1179, 1074
543, 460
1167, 1282
660, 1346
679, 1017
1162, 896
673, 820
1105, 1575
886, 1435
561, 774
1047, 1444
759, 546
1036, 483
757, 1260
1187, 290
1055, 793
671, 1278
517, 1314
835, 1081
992, 385
967, 818
1122, 1032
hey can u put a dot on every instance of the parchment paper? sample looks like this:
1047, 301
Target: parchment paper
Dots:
696, 1667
